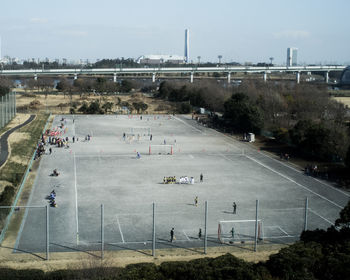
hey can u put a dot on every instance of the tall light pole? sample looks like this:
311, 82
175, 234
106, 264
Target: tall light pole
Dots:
219, 57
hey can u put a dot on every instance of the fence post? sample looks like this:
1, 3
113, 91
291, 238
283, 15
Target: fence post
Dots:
2, 112
205, 227
15, 104
47, 233
102, 232
256, 225
154, 231
305, 214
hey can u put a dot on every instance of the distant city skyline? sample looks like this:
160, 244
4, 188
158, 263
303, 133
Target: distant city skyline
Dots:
240, 31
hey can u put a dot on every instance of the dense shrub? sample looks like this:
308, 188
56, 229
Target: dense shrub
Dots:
7, 195
242, 114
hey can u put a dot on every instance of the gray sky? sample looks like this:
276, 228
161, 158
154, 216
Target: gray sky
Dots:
243, 31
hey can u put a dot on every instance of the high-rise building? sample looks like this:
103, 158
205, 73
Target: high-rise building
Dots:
292, 57
187, 46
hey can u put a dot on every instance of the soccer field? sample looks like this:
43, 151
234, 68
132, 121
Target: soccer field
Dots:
105, 170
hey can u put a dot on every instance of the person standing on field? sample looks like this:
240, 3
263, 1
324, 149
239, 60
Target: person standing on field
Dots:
172, 235
201, 178
196, 201
232, 232
234, 206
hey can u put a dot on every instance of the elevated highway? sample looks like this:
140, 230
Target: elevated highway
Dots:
191, 71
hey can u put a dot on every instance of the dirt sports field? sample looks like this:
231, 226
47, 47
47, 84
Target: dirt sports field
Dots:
105, 170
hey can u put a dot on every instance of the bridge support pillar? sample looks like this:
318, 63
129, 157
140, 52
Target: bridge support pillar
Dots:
153, 77
229, 77
75, 76
265, 77
115, 77
191, 77
326, 77
298, 77
35, 77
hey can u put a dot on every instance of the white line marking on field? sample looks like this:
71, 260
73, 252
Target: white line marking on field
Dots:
76, 193
282, 236
283, 230
191, 126
120, 230
328, 221
300, 185
186, 235
191, 156
301, 172
286, 165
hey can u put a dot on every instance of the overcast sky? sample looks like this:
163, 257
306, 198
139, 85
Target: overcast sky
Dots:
239, 30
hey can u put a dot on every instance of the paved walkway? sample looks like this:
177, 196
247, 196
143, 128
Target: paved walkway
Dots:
4, 147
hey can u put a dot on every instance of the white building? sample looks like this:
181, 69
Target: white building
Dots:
292, 57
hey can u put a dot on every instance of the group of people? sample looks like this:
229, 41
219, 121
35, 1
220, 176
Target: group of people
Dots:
313, 170
169, 180
183, 179
51, 197
40, 150
55, 173
284, 156
186, 180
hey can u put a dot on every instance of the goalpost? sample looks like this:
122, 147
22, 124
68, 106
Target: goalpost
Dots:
239, 230
142, 131
160, 149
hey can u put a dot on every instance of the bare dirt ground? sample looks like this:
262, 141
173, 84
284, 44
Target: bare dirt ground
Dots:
80, 260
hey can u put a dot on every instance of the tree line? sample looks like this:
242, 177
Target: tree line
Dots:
303, 116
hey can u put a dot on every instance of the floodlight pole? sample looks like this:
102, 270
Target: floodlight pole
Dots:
154, 231
305, 215
102, 232
205, 227
256, 226
47, 233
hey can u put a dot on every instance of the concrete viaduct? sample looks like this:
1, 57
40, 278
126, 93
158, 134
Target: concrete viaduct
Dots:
190, 71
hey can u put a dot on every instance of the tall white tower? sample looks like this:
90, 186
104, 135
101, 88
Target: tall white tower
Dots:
292, 57
187, 45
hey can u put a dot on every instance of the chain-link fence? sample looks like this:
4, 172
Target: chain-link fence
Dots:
194, 226
7, 108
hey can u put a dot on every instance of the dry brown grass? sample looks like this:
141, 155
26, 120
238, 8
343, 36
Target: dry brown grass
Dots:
344, 100
75, 260
61, 104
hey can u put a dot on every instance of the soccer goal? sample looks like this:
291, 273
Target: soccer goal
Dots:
239, 231
142, 131
160, 149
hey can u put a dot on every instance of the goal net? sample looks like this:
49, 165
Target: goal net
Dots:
161, 149
239, 231
141, 131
